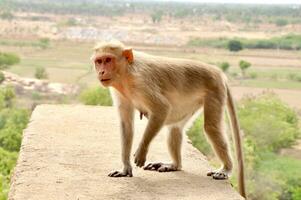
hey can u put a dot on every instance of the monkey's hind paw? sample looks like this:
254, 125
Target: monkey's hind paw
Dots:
120, 174
218, 175
161, 167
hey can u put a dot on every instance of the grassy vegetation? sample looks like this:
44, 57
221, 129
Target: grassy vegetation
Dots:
288, 42
7, 163
277, 177
12, 122
268, 125
42, 43
271, 84
264, 77
8, 59
59, 59
96, 96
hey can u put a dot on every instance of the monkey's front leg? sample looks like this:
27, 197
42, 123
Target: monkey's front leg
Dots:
126, 138
126, 114
155, 123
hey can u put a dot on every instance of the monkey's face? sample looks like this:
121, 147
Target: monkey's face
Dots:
105, 66
110, 68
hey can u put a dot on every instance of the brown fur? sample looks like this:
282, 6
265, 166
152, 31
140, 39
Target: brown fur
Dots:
169, 91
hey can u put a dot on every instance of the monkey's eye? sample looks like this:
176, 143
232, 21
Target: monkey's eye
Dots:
98, 61
108, 60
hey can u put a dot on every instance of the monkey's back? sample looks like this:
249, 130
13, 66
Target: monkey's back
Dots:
178, 73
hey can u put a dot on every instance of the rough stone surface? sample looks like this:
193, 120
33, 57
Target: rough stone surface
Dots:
68, 150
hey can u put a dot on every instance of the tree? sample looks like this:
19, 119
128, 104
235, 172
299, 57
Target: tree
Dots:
224, 66
234, 45
157, 16
6, 15
8, 59
244, 65
41, 73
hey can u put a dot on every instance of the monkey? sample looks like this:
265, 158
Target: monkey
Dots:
168, 91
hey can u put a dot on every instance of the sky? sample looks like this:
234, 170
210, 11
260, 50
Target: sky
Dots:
244, 1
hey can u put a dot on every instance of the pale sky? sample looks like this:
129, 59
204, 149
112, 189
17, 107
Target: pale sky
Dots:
243, 1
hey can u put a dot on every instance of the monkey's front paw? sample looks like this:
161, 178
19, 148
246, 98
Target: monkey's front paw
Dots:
140, 157
161, 167
219, 174
124, 173
119, 174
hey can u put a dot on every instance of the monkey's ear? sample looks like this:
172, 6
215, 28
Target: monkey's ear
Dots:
128, 54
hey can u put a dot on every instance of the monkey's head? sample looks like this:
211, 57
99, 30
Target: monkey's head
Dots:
111, 61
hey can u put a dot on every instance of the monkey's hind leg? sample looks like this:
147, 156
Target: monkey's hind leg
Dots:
214, 121
174, 147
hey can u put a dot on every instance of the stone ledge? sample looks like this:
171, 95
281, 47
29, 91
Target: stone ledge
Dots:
68, 150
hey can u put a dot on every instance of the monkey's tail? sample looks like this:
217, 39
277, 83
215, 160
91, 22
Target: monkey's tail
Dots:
238, 143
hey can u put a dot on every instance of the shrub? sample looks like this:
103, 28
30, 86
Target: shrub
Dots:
41, 73
294, 77
8, 59
253, 75
289, 42
244, 65
36, 96
291, 76
7, 163
2, 77
274, 76
216, 43
234, 45
157, 16
260, 44
71, 22
234, 74
268, 125
12, 123
181, 13
281, 22
6, 15
197, 136
44, 43
224, 66
277, 177
268, 122
298, 78
7, 95
96, 96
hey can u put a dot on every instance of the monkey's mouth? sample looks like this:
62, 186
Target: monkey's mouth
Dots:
105, 80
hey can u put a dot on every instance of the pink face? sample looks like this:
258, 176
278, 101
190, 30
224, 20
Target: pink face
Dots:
105, 66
